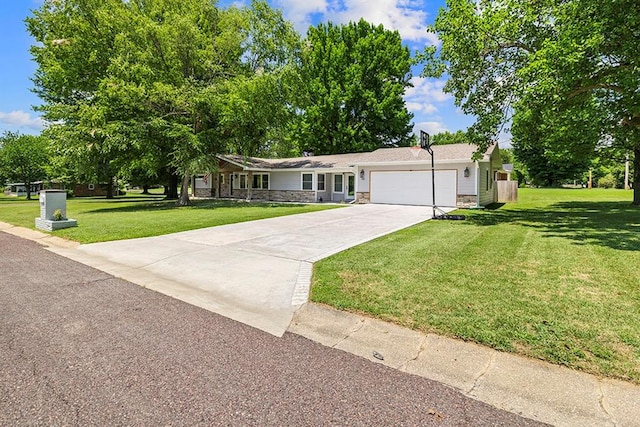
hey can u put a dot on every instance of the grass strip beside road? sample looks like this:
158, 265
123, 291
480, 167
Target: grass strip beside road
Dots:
555, 277
132, 216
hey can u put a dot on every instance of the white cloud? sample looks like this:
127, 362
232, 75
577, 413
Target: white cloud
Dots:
431, 128
426, 90
21, 119
422, 107
406, 16
300, 12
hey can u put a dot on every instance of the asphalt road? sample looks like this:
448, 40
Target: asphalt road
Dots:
80, 347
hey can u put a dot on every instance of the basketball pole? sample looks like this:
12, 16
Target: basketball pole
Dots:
425, 144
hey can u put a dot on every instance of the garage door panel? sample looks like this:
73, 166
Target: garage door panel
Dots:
413, 187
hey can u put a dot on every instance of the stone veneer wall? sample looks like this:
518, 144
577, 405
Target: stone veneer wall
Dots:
466, 201
363, 197
203, 192
277, 195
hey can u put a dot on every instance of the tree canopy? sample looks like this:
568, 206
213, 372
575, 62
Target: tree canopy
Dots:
23, 159
563, 72
355, 76
151, 84
445, 138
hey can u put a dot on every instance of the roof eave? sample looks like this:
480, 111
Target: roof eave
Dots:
418, 162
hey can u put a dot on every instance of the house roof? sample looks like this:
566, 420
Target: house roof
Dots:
442, 154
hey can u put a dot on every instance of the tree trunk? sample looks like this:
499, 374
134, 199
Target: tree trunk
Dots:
172, 187
636, 174
110, 188
28, 187
184, 192
145, 189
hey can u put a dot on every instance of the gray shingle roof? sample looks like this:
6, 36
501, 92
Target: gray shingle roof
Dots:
441, 153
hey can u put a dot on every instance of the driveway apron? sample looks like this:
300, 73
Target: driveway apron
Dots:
255, 272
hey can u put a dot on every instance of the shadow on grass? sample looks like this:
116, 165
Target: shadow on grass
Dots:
9, 200
611, 224
162, 204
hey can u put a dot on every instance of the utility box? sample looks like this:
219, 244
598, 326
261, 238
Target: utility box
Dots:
53, 211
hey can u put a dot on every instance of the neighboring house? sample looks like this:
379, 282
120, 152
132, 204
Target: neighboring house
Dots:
79, 190
89, 190
388, 175
20, 188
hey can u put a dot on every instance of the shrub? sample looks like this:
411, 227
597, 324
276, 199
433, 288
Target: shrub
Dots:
607, 181
58, 215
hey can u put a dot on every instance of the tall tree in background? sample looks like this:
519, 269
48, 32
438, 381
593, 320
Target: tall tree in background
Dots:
354, 76
23, 158
75, 46
445, 138
552, 59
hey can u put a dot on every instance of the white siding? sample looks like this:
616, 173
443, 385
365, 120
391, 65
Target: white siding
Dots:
488, 190
486, 185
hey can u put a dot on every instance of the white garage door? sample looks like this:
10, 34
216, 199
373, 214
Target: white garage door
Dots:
413, 188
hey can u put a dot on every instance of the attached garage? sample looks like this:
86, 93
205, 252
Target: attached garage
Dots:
413, 187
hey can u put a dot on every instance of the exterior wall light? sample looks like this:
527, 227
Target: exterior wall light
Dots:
466, 172
361, 173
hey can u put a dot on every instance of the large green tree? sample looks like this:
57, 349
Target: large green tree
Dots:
446, 137
23, 158
554, 60
144, 83
354, 78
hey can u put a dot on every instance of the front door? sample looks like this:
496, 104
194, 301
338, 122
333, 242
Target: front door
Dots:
351, 186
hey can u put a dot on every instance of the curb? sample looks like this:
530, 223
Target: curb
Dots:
38, 236
531, 388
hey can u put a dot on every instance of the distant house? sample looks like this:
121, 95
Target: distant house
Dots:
79, 190
89, 190
20, 188
388, 175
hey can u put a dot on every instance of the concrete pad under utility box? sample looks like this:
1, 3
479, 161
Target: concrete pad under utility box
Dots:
52, 225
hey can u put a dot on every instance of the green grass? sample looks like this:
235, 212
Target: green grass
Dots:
555, 276
132, 216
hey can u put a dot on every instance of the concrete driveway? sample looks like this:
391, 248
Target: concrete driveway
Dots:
256, 272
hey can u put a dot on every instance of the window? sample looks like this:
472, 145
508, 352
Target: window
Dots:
337, 184
260, 181
243, 181
307, 181
320, 185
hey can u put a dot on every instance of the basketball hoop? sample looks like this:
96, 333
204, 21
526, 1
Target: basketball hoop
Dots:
415, 150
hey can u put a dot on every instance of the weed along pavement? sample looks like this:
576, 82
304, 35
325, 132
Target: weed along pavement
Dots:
80, 348
256, 272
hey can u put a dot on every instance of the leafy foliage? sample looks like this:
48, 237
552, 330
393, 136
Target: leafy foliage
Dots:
354, 78
152, 84
444, 138
567, 69
23, 158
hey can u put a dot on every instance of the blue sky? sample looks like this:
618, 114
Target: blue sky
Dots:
434, 110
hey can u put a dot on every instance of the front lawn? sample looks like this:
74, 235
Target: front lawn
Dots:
555, 276
132, 216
